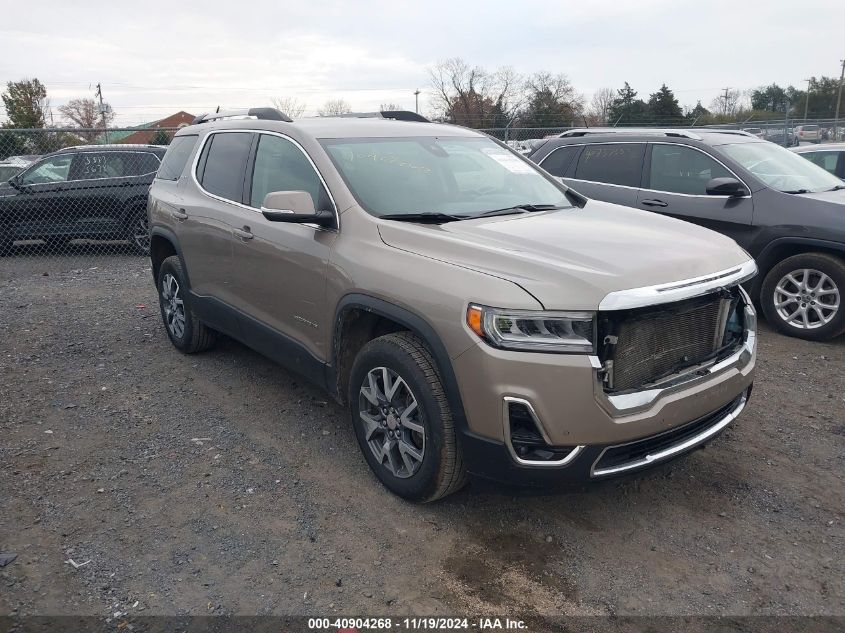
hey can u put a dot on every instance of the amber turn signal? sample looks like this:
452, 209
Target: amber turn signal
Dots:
474, 320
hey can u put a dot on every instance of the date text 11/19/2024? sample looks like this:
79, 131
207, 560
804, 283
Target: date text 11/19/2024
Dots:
352, 625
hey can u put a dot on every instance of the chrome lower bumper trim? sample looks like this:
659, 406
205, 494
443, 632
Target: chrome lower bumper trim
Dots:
671, 451
567, 459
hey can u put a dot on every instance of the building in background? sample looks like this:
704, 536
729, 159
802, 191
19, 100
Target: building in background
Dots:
150, 133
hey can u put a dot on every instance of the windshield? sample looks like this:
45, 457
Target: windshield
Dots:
781, 169
447, 175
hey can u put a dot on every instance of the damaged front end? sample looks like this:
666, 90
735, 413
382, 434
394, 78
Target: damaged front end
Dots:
657, 347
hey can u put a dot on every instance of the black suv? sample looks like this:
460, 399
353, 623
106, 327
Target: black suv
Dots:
91, 192
784, 210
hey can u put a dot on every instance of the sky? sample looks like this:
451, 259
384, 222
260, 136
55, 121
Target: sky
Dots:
154, 58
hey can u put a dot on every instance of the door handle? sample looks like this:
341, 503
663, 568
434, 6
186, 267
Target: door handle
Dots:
179, 215
654, 203
244, 234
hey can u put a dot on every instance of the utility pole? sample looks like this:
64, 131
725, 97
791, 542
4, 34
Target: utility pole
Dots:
417, 100
725, 102
102, 111
836, 135
807, 100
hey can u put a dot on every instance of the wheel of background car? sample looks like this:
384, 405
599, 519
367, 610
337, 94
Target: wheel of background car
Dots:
138, 232
186, 331
802, 296
402, 419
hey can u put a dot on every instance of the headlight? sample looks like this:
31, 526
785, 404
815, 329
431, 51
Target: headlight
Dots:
534, 331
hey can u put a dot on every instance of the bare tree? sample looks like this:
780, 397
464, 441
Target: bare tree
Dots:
600, 104
334, 107
729, 103
291, 106
470, 95
550, 100
86, 113
390, 107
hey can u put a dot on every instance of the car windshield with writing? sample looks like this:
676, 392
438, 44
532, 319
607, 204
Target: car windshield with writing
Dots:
453, 177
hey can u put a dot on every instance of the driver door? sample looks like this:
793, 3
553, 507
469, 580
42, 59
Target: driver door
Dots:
675, 184
41, 208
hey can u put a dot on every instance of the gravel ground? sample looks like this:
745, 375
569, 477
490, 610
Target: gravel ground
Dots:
223, 484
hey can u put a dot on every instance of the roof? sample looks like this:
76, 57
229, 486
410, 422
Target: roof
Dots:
820, 147
339, 127
114, 147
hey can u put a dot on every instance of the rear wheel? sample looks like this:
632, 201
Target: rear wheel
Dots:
402, 419
138, 232
186, 331
802, 296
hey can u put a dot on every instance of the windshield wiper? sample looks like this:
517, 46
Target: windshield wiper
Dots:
798, 191
837, 188
434, 218
519, 208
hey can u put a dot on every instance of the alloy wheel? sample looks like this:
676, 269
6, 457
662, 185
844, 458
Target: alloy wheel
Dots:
140, 235
392, 420
173, 306
806, 298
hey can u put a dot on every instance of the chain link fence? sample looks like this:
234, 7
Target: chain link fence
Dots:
77, 191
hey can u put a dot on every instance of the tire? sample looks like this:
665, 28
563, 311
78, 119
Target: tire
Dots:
188, 334
437, 469
138, 232
811, 284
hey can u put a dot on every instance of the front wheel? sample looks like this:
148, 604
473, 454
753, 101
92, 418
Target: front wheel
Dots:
402, 419
801, 296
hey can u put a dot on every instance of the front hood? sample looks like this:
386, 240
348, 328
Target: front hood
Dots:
572, 258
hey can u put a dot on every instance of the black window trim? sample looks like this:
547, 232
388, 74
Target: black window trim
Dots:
647, 163
247, 170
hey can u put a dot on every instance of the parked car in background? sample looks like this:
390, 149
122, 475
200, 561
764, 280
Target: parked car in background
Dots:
808, 133
780, 135
784, 210
754, 131
828, 156
473, 314
14, 165
89, 192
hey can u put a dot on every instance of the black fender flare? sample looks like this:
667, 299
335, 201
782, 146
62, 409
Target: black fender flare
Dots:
415, 324
130, 207
170, 236
767, 258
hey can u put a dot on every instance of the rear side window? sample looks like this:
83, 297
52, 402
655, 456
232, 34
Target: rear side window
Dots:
680, 169
281, 166
225, 164
612, 163
560, 159
178, 152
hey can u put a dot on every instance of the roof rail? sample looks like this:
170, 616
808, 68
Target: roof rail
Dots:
397, 115
267, 114
630, 130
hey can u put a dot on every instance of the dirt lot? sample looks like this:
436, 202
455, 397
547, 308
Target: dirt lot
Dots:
223, 484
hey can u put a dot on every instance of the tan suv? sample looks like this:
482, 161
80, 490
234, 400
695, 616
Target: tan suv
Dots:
475, 315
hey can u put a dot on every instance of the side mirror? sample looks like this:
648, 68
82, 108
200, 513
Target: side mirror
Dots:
15, 181
726, 187
294, 206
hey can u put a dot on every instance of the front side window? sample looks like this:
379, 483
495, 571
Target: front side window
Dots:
825, 160
281, 166
225, 163
681, 169
612, 163
462, 176
781, 169
559, 160
176, 158
55, 169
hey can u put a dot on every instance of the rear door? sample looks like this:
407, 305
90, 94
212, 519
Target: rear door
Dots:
609, 171
209, 213
675, 184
